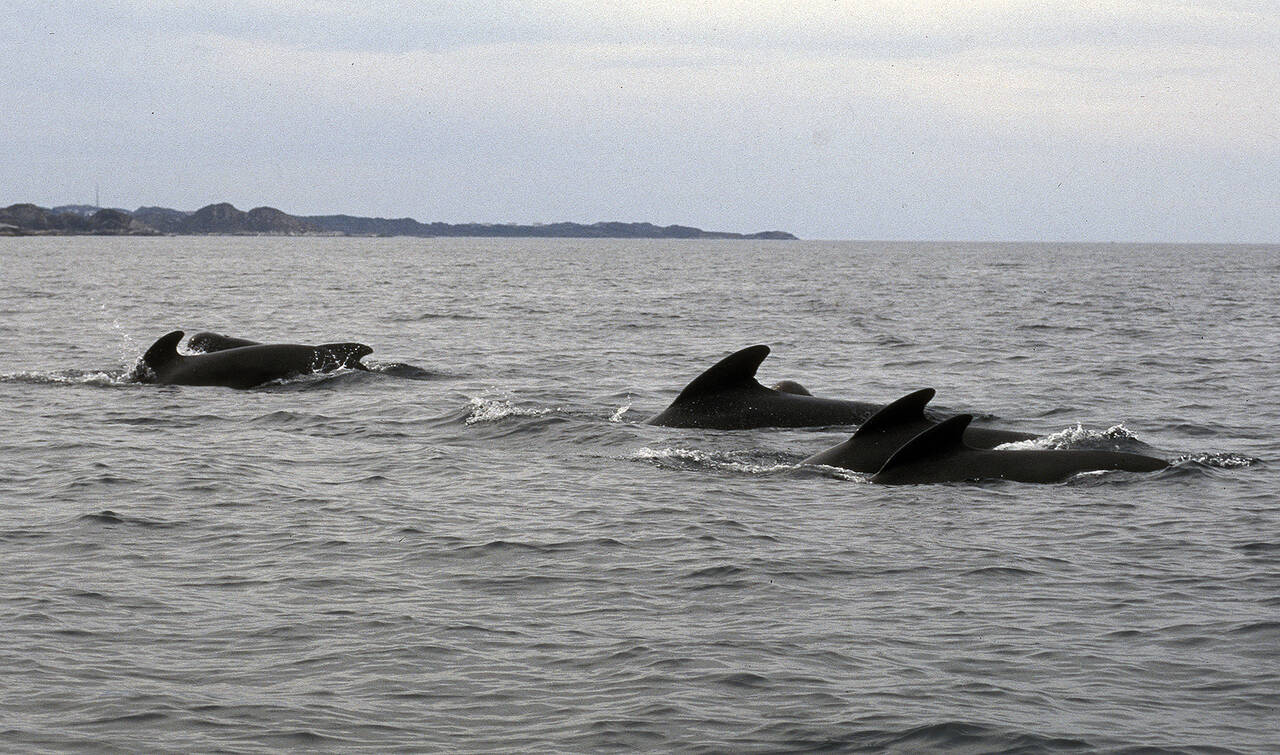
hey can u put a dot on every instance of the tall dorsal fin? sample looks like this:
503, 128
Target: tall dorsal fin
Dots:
163, 351
736, 370
909, 408
937, 440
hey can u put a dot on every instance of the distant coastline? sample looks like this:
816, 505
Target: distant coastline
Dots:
224, 219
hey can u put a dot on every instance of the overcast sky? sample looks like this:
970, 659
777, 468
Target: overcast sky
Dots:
1133, 120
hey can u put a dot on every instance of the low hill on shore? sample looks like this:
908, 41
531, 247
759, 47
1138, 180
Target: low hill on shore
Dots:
223, 218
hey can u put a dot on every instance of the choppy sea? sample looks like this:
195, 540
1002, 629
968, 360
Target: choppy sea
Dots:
478, 546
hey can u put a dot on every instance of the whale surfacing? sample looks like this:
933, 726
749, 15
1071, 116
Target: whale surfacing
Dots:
939, 454
246, 366
207, 342
728, 397
898, 422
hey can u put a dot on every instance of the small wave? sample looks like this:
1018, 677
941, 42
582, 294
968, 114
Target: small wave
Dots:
744, 680
1267, 629
403, 370
456, 316
127, 718
305, 739
72, 377
484, 409
482, 630
892, 341
22, 535
1012, 572
317, 380
716, 572
1218, 461
286, 418
503, 546
951, 736
107, 516
732, 461
500, 546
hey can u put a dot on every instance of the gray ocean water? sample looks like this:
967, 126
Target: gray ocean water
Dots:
478, 546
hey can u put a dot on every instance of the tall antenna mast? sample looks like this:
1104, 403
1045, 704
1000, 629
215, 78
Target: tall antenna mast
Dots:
97, 203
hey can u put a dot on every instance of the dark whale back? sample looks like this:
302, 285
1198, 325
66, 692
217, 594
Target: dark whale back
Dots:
883, 433
940, 454
210, 342
246, 366
727, 396
331, 356
892, 427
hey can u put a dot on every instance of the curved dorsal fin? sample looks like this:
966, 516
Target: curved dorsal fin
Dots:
164, 350
735, 370
937, 440
909, 408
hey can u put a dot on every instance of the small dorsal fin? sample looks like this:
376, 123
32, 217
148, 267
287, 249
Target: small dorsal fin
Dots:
909, 408
939, 439
735, 370
163, 351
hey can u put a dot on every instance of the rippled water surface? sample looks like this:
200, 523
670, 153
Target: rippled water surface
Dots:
478, 546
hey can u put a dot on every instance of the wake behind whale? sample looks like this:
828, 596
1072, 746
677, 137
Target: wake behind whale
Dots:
727, 396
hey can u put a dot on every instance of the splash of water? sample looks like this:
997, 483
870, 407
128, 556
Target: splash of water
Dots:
1074, 437
694, 459
620, 413
487, 409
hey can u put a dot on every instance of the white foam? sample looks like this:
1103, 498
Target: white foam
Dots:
70, 377
689, 454
1071, 437
485, 409
1219, 460
620, 413
712, 461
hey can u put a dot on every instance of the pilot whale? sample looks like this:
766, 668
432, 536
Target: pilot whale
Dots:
207, 342
940, 454
246, 366
728, 397
898, 422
